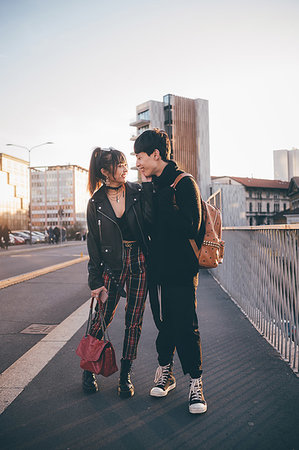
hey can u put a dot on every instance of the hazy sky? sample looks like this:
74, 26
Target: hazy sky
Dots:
73, 71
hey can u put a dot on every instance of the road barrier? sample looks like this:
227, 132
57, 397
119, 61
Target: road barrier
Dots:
260, 272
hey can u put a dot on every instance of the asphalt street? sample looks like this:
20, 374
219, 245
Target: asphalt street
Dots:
23, 259
252, 395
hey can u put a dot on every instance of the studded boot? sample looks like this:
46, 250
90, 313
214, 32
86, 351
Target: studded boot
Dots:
89, 382
125, 387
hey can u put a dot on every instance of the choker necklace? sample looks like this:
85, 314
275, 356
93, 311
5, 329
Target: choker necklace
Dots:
114, 188
117, 194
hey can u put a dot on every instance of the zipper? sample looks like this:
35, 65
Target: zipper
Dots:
100, 229
122, 241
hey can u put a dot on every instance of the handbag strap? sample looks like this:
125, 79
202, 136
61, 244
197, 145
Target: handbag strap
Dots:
89, 317
103, 326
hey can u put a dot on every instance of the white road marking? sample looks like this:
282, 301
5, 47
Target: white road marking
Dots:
16, 377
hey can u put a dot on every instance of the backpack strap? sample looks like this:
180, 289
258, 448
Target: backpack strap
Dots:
179, 177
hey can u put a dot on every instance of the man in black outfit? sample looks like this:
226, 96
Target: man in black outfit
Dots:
173, 265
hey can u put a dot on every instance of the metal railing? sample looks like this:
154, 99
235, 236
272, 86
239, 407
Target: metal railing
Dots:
260, 272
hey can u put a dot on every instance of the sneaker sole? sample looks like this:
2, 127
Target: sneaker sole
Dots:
193, 409
158, 392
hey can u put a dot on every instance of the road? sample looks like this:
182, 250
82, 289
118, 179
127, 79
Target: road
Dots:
253, 396
23, 259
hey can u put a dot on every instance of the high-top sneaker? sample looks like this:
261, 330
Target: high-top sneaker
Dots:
164, 381
197, 403
89, 382
125, 386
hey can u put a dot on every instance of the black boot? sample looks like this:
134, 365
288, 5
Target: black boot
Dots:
125, 387
89, 382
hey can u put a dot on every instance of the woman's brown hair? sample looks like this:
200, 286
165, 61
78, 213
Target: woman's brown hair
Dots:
103, 158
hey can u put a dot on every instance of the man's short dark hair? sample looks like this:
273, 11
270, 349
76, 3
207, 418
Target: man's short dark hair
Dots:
149, 140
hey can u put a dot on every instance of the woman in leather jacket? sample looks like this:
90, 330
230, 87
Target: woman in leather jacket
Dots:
117, 244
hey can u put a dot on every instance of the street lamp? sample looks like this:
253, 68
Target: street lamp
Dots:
30, 190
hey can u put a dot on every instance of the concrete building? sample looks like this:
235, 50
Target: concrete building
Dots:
249, 201
186, 122
59, 196
14, 188
291, 215
286, 164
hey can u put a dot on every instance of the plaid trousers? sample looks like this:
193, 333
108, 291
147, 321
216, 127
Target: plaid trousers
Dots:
133, 275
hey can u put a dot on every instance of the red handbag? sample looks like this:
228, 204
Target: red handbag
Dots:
97, 355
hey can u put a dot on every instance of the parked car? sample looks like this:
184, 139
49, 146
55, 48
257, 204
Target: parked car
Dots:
40, 235
15, 240
26, 235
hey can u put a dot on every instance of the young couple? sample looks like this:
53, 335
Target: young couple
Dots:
138, 237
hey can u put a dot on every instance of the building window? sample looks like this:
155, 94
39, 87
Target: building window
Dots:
275, 196
268, 194
259, 195
250, 221
250, 207
250, 194
268, 207
276, 207
259, 207
284, 206
166, 99
144, 115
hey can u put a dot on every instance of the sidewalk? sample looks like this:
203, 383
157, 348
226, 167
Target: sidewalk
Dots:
252, 395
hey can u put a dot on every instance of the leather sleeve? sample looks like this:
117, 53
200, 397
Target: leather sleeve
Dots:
181, 209
95, 269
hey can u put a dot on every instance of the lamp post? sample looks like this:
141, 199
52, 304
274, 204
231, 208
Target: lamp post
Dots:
30, 190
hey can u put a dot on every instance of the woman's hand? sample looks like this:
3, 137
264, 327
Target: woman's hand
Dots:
100, 294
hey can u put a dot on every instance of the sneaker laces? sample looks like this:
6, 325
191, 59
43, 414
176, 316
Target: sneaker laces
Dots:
162, 374
196, 391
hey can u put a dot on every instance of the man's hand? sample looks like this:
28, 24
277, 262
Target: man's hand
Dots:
100, 294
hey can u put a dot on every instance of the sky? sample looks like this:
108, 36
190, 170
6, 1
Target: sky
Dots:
73, 71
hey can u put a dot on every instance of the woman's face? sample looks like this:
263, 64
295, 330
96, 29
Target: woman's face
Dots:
121, 173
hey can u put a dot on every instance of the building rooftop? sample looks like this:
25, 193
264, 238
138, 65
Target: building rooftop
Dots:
258, 182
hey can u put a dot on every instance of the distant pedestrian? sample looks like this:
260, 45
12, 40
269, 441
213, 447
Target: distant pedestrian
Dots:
56, 233
5, 235
117, 246
50, 235
1, 237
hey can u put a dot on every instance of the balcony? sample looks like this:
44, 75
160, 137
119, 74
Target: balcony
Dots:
139, 122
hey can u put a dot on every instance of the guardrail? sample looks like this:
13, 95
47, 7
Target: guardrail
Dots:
260, 272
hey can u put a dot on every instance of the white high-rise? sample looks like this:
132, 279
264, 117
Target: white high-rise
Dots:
286, 164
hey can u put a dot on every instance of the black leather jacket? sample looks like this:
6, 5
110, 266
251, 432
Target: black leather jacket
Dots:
104, 238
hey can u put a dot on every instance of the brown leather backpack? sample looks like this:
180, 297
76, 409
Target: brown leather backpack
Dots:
211, 252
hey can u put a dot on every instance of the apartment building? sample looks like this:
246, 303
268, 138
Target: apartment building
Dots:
186, 122
14, 187
59, 196
250, 201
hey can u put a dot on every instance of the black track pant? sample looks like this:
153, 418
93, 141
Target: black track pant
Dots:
179, 329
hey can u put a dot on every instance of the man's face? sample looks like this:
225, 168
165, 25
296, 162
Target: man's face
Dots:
147, 165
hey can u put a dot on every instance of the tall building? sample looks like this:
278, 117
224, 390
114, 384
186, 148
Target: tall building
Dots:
59, 196
14, 188
186, 122
250, 201
286, 164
